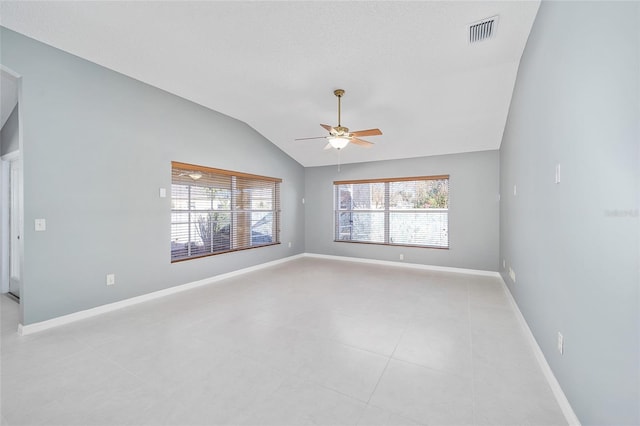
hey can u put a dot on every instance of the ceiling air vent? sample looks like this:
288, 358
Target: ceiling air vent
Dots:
482, 30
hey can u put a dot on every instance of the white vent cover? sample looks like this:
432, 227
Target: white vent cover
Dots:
482, 30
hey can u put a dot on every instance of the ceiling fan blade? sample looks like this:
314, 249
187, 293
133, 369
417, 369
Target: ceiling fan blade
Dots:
306, 139
327, 127
361, 142
328, 146
370, 132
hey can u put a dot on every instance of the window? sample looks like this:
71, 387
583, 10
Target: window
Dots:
402, 211
217, 211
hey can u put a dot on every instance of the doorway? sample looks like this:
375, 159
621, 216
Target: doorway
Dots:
11, 224
11, 213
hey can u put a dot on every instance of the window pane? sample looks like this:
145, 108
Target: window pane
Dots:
261, 228
418, 194
179, 217
217, 211
179, 197
344, 228
221, 199
362, 196
366, 227
211, 232
426, 228
403, 211
179, 240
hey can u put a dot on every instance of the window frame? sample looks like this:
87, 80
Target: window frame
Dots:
386, 210
234, 211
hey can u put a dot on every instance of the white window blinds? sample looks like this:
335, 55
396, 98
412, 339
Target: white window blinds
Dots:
217, 211
402, 211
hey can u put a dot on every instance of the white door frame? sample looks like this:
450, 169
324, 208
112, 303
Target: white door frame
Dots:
5, 166
7, 162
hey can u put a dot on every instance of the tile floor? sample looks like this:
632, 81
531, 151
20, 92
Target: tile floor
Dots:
310, 341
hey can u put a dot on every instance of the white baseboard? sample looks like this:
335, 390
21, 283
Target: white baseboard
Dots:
406, 265
23, 330
561, 398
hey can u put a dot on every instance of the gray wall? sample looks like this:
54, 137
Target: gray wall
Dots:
97, 148
574, 246
473, 211
9, 133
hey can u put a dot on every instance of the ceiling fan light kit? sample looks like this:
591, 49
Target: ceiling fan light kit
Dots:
339, 136
338, 142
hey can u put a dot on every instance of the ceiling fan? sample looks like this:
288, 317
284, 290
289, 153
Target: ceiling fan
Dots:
340, 136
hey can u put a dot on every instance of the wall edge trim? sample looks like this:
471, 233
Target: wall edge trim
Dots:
406, 265
558, 393
24, 330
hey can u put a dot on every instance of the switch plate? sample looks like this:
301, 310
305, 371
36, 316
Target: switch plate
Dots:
111, 279
41, 225
515, 190
289, 244
560, 343
512, 274
557, 173
402, 257
163, 192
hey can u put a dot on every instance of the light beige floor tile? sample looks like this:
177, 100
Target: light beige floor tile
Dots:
508, 397
425, 396
374, 416
370, 333
298, 402
348, 370
440, 344
305, 342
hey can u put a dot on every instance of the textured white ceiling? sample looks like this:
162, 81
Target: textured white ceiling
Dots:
407, 67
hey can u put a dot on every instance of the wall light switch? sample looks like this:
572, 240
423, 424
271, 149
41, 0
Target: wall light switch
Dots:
515, 191
163, 192
41, 225
111, 279
560, 343
557, 173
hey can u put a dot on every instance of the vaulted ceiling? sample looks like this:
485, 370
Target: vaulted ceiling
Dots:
407, 67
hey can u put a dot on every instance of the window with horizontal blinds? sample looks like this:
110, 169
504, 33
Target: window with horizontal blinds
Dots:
216, 211
395, 211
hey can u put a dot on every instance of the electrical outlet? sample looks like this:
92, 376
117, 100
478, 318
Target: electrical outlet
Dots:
40, 225
512, 274
560, 343
402, 257
111, 279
